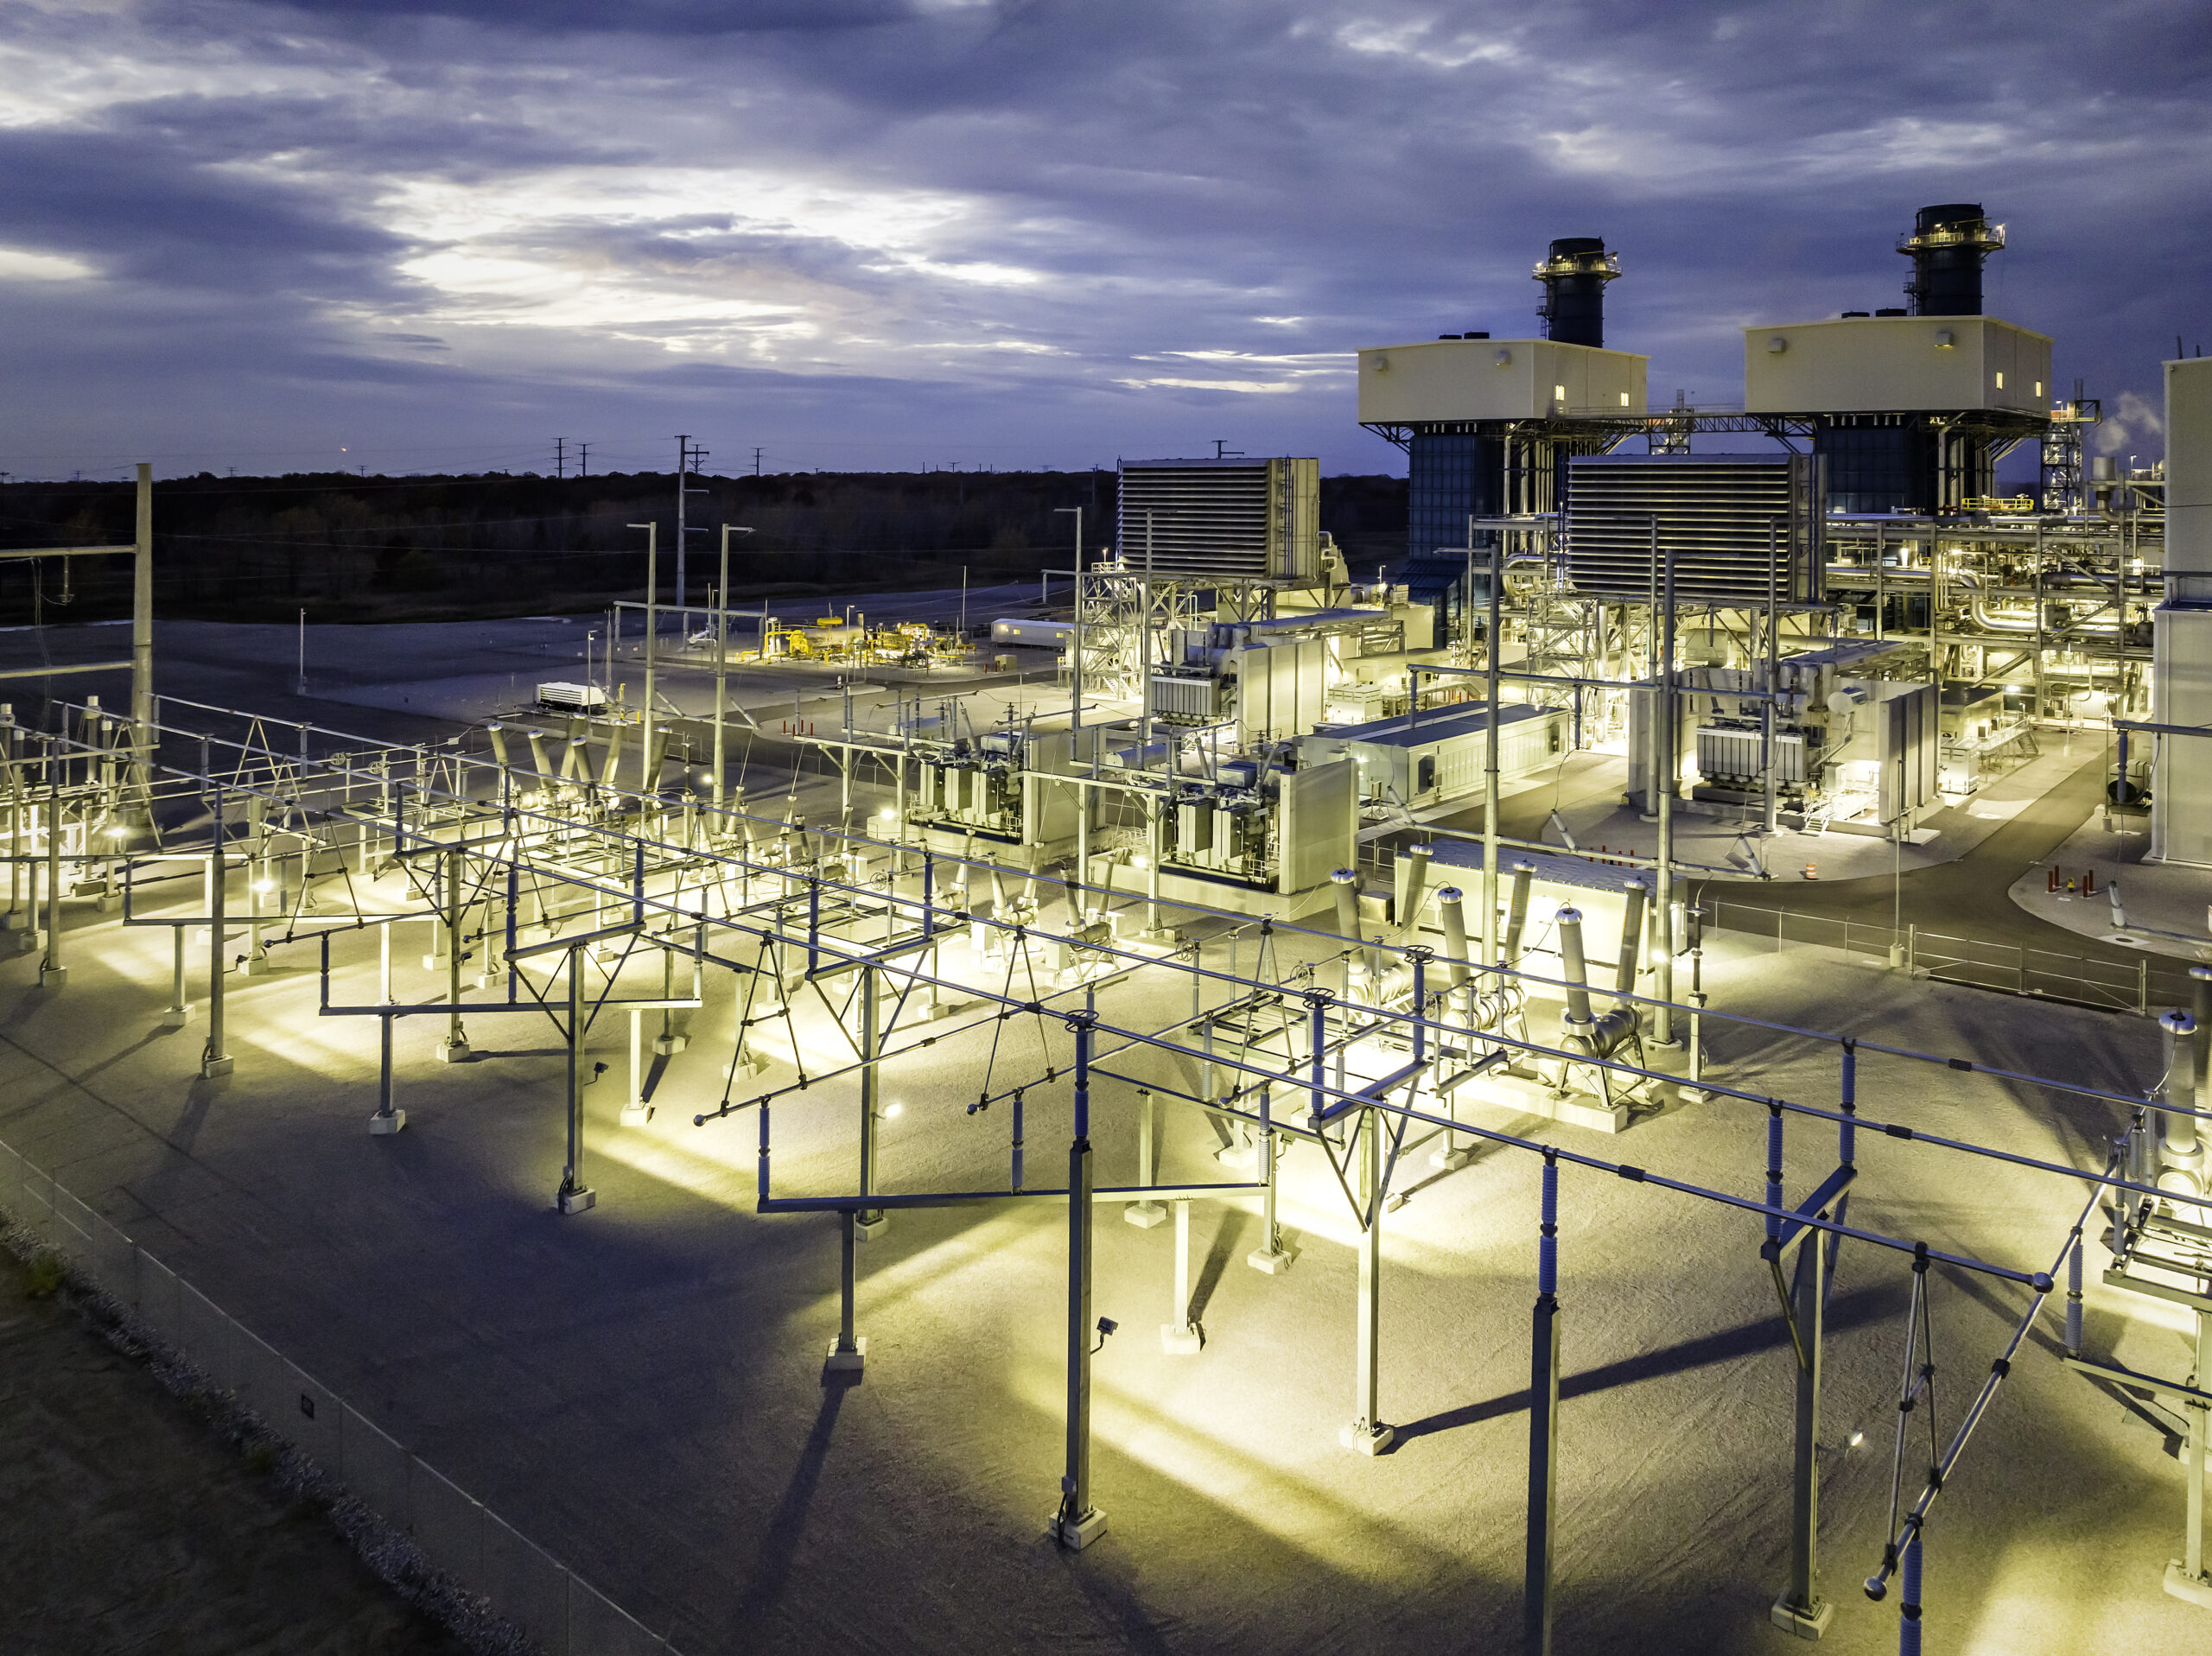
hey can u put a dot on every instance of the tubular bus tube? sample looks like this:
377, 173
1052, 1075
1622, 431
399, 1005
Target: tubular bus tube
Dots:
1448, 899
1631, 945
1517, 921
1578, 989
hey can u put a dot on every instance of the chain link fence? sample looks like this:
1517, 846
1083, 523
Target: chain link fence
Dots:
564, 1615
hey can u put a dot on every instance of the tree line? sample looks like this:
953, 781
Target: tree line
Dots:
344, 546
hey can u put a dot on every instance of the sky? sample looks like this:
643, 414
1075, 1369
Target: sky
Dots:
910, 234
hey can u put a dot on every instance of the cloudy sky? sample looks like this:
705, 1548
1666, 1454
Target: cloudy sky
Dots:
903, 233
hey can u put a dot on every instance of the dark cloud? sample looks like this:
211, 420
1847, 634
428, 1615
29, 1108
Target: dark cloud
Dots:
1026, 233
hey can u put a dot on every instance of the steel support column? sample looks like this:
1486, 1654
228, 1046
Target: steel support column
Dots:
847, 1352
1543, 1425
872, 1222
1801, 1609
1077, 1522
575, 1195
1367, 1434
213, 1060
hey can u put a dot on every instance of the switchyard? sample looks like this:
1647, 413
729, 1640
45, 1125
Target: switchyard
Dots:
1286, 1184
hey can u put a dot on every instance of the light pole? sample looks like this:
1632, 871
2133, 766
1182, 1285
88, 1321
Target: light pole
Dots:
688, 454
1074, 707
645, 775
721, 652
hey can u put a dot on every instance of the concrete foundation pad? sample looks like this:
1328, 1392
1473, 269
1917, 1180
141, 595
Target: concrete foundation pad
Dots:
176, 1017
15, 922
1079, 1535
382, 1125
454, 1051
577, 1201
1241, 1157
1275, 1261
1144, 1214
53, 977
1795, 1618
1451, 1160
669, 1045
635, 1116
847, 1362
2194, 1589
211, 1067
867, 1230
1183, 1341
27, 941
1365, 1439
1531, 1097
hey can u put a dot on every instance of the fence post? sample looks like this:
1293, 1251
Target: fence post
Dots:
1911, 940
2143, 987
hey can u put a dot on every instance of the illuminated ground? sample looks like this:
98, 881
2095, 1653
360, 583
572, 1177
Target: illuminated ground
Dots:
639, 1387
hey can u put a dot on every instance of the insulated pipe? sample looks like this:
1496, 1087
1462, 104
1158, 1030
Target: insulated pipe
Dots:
1517, 921
1347, 884
2200, 983
1572, 968
1448, 899
2181, 1155
1632, 942
1417, 890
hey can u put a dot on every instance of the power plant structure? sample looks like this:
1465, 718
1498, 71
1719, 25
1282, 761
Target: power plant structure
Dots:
1214, 906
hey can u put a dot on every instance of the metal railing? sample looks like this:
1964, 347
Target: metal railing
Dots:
2135, 985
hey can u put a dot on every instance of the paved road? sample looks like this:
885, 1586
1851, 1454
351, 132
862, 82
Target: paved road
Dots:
1967, 898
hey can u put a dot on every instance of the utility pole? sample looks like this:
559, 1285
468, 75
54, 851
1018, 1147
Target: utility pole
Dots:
559, 458
756, 462
722, 658
583, 459
687, 454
